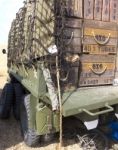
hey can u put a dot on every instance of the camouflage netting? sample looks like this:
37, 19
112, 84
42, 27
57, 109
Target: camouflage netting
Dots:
33, 31
42, 29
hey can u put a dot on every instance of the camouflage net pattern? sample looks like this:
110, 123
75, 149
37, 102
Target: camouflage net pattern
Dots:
41, 31
32, 31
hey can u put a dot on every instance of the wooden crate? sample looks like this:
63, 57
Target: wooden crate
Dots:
98, 61
97, 70
71, 34
100, 37
105, 10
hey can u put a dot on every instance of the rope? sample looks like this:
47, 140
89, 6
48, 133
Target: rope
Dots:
60, 103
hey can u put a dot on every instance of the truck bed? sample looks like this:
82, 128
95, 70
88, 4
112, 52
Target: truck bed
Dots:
89, 99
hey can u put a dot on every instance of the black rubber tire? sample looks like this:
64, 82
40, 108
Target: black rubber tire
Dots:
6, 101
30, 136
19, 92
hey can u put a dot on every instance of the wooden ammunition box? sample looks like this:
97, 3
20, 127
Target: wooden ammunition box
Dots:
98, 59
96, 70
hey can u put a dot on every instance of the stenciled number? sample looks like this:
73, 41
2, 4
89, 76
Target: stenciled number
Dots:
97, 66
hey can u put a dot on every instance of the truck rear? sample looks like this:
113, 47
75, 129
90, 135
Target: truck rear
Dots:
63, 54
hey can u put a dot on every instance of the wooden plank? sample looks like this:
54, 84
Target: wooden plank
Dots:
89, 74
98, 10
73, 23
69, 23
90, 40
103, 32
106, 10
114, 10
73, 46
95, 81
100, 24
98, 58
73, 76
73, 49
74, 8
71, 33
88, 66
88, 9
97, 49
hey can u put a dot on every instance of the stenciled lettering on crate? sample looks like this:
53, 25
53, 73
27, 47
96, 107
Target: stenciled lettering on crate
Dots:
97, 70
98, 61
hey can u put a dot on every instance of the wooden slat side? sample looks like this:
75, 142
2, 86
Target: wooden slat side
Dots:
106, 10
89, 74
98, 10
97, 49
95, 81
100, 24
94, 31
98, 58
114, 10
73, 46
88, 9
72, 33
73, 23
90, 40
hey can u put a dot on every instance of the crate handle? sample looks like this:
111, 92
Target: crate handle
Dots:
99, 72
99, 42
99, 112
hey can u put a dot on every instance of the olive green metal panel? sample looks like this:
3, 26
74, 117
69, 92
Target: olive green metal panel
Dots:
42, 119
32, 79
33, 104
46, 120
86, 99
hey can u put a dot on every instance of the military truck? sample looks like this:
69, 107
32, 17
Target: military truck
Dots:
62, 59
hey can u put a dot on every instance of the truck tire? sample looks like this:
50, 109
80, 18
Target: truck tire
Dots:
30, 136
18, 90
6, 101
